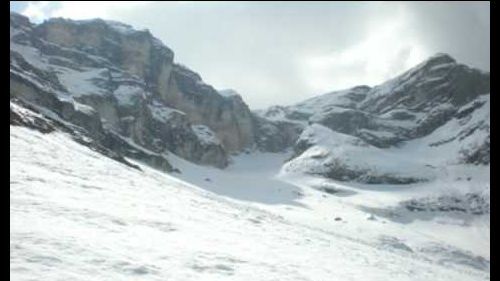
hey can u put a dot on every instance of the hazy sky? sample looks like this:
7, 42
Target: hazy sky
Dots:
285, 52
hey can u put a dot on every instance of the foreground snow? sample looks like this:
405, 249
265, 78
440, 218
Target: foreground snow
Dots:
76, 215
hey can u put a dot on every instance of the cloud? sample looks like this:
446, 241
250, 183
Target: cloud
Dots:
37, 11
275, 53
461, 29
41, 10
388, 48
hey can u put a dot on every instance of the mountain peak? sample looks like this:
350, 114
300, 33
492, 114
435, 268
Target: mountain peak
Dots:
17, 19
440, 58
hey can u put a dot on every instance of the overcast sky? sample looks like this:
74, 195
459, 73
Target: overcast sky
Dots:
285, 52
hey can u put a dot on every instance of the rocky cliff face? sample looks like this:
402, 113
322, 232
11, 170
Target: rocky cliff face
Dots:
127, 83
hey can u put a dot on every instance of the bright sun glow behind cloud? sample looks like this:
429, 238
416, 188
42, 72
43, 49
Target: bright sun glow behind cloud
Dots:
36, 11
388, 50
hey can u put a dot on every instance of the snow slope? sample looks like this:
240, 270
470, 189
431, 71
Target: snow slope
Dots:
76, 215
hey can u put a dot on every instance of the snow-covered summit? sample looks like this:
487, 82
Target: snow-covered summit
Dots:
440, 58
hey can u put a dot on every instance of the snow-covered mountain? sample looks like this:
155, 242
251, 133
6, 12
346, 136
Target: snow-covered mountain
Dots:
370, 183
435, 114
409, 106
122, 86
